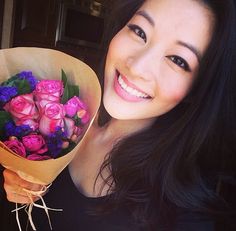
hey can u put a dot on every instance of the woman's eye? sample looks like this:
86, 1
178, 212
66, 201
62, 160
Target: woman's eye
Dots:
138, 31
180, 62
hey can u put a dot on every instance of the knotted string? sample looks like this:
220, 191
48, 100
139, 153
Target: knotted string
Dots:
29, 207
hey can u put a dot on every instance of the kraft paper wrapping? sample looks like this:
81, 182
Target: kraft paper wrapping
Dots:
47, 64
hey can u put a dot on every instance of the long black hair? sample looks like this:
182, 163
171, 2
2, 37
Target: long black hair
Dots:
181, 160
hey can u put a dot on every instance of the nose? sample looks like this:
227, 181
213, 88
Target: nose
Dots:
142, 65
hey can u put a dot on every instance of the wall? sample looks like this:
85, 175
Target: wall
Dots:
7, 27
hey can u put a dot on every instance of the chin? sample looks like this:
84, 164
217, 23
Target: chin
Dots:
114, 113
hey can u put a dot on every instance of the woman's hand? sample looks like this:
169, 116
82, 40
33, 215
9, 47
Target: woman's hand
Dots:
16, 188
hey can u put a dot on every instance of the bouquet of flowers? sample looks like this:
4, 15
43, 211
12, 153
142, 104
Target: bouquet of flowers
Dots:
40, 119
44, 119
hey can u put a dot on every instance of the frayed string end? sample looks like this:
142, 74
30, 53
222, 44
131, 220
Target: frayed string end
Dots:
29, 207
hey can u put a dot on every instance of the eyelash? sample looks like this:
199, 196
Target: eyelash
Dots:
138, 31
175, 59
180, 62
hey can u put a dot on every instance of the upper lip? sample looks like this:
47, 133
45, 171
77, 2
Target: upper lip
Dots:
130, 84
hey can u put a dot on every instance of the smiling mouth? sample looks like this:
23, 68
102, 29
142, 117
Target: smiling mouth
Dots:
130, 90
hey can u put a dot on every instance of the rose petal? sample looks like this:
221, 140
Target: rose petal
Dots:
38, 157
69, 126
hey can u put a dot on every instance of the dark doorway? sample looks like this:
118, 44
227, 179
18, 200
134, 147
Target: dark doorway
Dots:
1, 18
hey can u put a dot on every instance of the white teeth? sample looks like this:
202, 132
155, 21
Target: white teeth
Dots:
131, 90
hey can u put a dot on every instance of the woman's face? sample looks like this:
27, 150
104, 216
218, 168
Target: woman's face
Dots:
152, 62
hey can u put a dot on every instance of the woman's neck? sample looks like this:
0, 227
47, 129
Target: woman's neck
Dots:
99, 142
117, 129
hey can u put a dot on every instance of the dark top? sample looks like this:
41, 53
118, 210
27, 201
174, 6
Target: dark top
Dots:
76, 217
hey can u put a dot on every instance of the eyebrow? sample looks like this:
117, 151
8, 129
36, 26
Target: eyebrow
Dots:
146, 16
191, 48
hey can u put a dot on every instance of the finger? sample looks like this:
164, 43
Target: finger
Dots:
18, 192
12, 191
30, 186
16, 198
13, 179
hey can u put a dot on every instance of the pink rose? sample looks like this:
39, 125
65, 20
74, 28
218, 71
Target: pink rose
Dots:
83, 115
76, 106
52, 116
48, 91
78, 131
34, 143
38, 157
73, 105
22, 108
16, 146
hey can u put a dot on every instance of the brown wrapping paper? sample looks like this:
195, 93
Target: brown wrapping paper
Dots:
47, 64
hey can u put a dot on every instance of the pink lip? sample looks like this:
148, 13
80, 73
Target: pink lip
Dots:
123, 94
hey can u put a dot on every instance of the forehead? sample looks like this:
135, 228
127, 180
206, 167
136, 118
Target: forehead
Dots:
186, 19
180, 10
179, 5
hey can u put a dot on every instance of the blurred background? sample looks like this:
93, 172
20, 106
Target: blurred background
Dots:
75, 27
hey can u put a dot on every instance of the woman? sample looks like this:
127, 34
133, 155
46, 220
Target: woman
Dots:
155, 158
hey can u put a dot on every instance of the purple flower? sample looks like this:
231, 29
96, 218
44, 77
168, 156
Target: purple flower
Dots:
19, 131
22, 130
9, 129
55, 141
6, 93
28, 75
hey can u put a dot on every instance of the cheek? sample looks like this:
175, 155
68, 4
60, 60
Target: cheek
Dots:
115, 56
111, 57
175, 91
178, 95
117, 48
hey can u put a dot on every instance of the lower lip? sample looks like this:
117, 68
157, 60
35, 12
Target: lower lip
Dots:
125, 95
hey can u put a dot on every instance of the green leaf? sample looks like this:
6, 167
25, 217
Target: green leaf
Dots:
4, 118
65, 95
23, 86
77, 120
73, 90
63, 77
10, 81
69, 90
